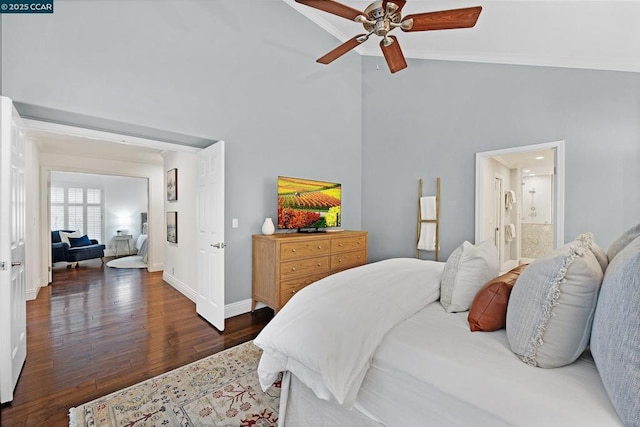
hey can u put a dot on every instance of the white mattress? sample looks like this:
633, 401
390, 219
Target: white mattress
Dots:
432, 370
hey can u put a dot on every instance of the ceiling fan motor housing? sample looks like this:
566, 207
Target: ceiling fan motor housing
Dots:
376, 13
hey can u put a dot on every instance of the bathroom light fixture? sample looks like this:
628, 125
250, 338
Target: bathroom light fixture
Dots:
539, 158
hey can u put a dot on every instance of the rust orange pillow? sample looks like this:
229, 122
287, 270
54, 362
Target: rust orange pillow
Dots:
488, 310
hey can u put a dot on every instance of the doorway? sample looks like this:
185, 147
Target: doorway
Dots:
107, 208
520, 201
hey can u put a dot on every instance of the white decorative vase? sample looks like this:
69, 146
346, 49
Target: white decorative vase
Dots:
267, 227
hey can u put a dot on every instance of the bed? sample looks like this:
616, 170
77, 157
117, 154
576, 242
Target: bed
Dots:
142, 242
374, 346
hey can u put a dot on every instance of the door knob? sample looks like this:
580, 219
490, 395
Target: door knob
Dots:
16, 263
219, 245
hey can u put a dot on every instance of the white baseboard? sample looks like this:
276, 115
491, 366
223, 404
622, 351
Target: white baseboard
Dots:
239, 307
230, 310
158, 266
32, 294
180, 286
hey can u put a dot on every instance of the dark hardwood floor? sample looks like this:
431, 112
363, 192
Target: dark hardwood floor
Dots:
97, 329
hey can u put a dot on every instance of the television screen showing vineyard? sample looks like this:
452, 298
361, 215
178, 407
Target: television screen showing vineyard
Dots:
305, 203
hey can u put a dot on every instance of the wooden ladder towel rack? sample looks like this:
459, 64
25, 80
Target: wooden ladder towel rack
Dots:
431, 221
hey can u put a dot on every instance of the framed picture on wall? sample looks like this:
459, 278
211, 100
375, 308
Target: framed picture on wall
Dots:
172, 185
172, 227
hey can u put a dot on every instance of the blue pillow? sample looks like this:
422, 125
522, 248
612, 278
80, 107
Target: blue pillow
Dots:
80, 241
615, 336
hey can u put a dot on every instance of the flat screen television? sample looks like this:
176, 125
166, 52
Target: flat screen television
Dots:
307, 204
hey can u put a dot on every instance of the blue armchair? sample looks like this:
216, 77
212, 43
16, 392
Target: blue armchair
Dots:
62, 251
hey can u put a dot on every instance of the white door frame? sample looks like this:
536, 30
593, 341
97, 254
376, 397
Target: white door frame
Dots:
558, 184
498, 216
155, 214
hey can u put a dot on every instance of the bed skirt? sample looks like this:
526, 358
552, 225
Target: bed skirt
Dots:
304, 409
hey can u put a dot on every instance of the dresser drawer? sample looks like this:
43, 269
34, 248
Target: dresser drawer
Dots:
346, 244
290, 287
295, 250
347, 260
304, 267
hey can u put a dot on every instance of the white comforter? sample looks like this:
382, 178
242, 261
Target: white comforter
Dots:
327, 333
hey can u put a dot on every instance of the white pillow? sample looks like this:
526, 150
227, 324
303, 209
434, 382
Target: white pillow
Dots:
64, 236
551, 305
468, 268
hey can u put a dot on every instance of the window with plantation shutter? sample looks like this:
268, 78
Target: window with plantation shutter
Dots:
74, 207
75, 220
94, 222
75, 195
57, 195
57, 217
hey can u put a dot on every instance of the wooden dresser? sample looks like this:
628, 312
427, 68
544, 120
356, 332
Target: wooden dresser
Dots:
285, 263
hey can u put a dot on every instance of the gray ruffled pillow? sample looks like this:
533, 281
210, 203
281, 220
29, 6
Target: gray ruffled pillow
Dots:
551, 306
615, 338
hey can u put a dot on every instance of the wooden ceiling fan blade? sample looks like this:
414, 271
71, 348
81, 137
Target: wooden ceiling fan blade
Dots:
393, 54
399, 3
443, 20
333, 7
341, 50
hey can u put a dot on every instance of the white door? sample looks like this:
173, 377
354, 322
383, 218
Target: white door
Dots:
210, 239
497, 218
13, 307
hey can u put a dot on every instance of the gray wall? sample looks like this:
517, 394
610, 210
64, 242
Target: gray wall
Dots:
438, 114
241, 71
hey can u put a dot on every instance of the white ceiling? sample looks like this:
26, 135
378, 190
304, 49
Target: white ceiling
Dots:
603, 35
48, 142
532, 163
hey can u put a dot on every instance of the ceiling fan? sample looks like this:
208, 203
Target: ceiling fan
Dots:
383, 16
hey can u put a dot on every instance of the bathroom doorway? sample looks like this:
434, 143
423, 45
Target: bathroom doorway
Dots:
520, 201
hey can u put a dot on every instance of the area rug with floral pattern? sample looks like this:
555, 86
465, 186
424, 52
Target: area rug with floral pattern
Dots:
219, 390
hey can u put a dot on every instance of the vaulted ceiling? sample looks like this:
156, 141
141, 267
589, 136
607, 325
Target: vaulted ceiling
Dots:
600, 35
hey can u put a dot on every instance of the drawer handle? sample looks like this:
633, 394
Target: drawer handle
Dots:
340, 260
293, 269
340, 244
293, 250
319, 264
293, 291
319, 246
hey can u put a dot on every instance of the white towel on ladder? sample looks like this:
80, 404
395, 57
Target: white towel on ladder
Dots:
509, 232
427, 241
